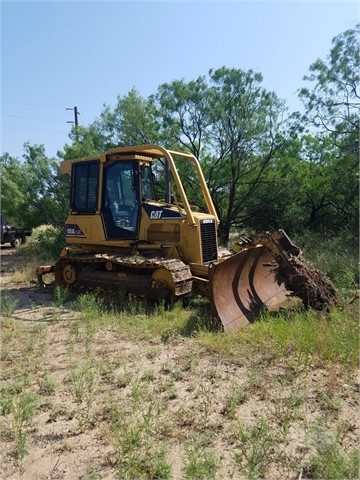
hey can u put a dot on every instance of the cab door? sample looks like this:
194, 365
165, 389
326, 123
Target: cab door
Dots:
121, 200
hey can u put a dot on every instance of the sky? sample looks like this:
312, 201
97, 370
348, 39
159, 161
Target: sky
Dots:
56, 55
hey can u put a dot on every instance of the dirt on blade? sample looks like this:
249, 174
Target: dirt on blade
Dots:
306, 282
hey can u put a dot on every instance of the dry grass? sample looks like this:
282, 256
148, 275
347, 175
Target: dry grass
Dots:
90, 393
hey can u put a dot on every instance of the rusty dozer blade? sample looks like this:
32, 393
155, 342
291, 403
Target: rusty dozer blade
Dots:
242, 286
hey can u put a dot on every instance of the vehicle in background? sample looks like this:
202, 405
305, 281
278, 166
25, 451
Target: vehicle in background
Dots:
9, 234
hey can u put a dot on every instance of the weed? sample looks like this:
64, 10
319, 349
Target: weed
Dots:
256, 448
256, 383
200, 461
9, 392
137, 394
205, 394
330, 254
330, 460
5, 354
171, 391
8, 304
92, 473
168, 388
8, 333
6, 401
83, 384
330, 402
137, 455
107, 373
47, 385
285, 410
74, 330
61, 296
325, 337
135, 305
169, 335
148, 376
54, 468
124, 379
90, 306
219, 343
233, 401
22, 409
178, 375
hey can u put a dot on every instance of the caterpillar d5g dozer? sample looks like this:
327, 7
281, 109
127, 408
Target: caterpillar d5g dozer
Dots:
131, 227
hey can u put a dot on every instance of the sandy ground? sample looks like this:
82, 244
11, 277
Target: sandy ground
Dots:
109, 406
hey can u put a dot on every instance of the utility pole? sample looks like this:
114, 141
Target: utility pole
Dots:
76, 118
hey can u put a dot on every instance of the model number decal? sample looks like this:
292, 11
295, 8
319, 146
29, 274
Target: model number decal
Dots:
73, 230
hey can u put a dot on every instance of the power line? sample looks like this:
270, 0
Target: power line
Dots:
76, 118
32, 104
33, 130
33, 118
76, 112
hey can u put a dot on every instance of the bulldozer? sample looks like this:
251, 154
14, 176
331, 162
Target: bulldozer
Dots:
132, 228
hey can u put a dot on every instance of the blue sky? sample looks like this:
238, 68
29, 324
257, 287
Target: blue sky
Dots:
60, 54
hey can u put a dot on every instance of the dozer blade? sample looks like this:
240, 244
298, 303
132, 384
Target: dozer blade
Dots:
242, 286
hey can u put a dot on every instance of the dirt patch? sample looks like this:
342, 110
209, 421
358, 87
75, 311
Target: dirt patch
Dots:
26, 295
104, 404
10, 260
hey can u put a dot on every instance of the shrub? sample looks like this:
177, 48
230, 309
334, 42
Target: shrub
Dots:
46, 242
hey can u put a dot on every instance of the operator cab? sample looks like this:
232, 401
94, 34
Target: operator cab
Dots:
118, 186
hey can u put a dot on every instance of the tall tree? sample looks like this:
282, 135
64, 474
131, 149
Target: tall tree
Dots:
33, 191
245, 136
231, 123
132, 121
13, 188
333, 101
183, 111
332, 108
86, 142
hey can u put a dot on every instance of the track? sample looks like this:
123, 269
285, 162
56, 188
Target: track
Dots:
151, 277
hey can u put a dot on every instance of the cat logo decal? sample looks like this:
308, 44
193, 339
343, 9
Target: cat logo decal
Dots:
155, 214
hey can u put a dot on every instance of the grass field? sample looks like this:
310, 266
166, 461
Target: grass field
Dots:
94, 391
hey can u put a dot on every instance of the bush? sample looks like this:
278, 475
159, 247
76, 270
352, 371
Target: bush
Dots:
45, 242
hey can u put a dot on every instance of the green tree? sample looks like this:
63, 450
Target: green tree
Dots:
333, 101
13, 188
32, 190
232, 124
183, 112
86, 142
137, 119
332, 110
246, 133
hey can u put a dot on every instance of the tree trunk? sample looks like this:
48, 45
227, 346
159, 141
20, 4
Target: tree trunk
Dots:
224, 233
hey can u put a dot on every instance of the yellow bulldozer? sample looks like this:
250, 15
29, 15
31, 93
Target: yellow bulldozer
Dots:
131, 227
